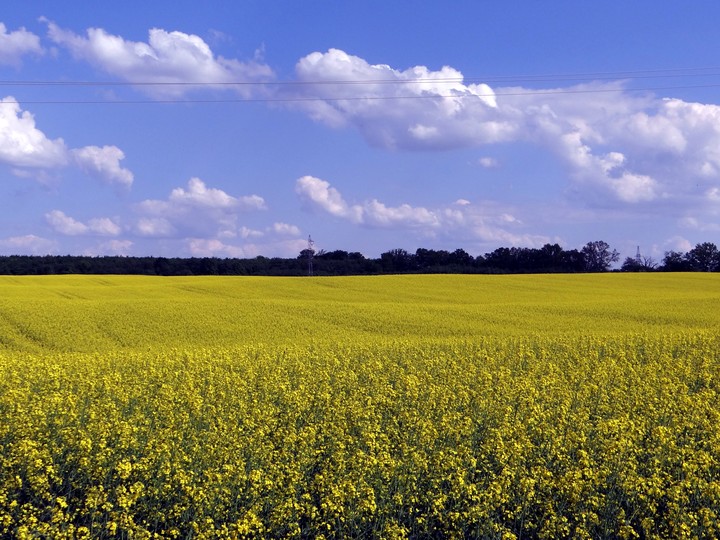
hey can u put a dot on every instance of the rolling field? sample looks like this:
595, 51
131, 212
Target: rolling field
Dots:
555, 406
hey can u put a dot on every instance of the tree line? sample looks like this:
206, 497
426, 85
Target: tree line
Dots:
595, 256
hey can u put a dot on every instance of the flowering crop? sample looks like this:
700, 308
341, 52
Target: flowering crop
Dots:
421, 407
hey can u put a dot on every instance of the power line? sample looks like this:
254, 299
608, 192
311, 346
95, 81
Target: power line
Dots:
554, 78
587, 76
356, 98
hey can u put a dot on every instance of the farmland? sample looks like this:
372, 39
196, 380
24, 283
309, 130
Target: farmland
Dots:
390, 406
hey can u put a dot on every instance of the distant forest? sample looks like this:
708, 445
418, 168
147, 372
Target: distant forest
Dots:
551, 258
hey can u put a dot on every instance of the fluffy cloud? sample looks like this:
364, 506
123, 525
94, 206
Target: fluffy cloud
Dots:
698, 225
154, 227
321, 194
205, 221
415, 108
618, 147
104, 163
678, 243
200, 247
488, 162
246, 232
377, 214
64, 224
27, 245
195, 211
22, 144
14, 45
166, 58
111, 247
461, 220
104, 227
199, 195
285, 229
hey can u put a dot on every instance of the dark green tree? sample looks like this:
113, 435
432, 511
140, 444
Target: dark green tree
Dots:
630, 264
675, 261
598, 256
397, 260
704, 257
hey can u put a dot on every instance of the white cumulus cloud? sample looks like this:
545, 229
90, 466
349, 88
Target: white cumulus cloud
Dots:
28, 244
204, 247
618, 147
285, 229
167, 57
22, 144
64, 224
678, 243
247, 232
460, 220
196, 211
210, 247
25, 147
104, 163
154, 227
378, 214
104, 227
111, 247
321, 194
14, 45
199, 195
413, 108
488, 162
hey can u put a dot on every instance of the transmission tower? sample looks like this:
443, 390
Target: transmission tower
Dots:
638, 259
310, 253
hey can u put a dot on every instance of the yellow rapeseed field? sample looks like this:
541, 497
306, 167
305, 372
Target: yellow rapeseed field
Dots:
557, 406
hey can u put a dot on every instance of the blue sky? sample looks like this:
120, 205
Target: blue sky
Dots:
237, 129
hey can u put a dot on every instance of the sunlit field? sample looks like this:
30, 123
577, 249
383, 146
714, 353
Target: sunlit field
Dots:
554, 406
107, 313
